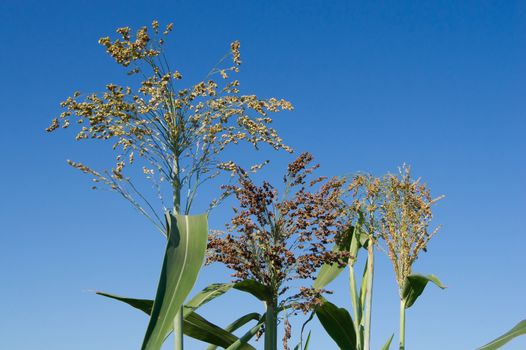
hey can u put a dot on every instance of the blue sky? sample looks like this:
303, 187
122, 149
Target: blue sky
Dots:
439, 85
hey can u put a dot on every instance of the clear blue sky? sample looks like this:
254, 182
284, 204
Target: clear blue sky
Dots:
437, 84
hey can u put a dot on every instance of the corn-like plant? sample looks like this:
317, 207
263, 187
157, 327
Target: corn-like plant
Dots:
174, 135
275, 239
405, 215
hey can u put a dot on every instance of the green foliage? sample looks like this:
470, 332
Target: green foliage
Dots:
306, 347
388, 343
338, 323
240, 322
328, 272
195, 325
414, 286
198, 327
185, 252
497, 343
248, 335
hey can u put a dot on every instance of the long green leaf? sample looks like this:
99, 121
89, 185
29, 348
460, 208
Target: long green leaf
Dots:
240, 322
248, 335
207, 294
414, 286
144, 305
388, 343
363, 290
195, 326
255, 288
298, 346
204, 296
185, 252
328, 272
338, 324
519, 329
305, 325
307, 342
199, 328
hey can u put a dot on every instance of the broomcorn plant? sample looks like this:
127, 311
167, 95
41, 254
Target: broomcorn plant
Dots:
406, 215
172, 134
275, 240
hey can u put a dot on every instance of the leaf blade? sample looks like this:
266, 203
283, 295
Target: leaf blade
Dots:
328, 272
183, 259
338, 323
414, 286
519, 329
388, 343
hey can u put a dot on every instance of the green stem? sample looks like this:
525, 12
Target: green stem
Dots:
178, 320
402, 324
178, 330
271, 327
368, 295
355, 305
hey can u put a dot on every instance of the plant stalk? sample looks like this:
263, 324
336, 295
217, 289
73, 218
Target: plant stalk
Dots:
178, 320
271, 327
402, 324
355, 305
369, 295
178, 330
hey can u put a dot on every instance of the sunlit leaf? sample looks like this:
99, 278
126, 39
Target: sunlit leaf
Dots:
328, 272
240, 322
184, 256
338, 324
519, 329
388, 343
414, 286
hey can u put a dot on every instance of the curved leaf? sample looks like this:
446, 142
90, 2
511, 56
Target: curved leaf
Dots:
207, 294
248, 335
199, 328
338, 324
243, 320
240, 322
519, 329
414, 286
185, 252
195, 326
204, 296
328, 272
255, 288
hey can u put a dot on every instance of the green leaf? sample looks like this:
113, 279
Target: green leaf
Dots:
255, 288
199, 328
328, 272
240, 322
338, 324
204, 296
185, 252
300, 344
207, 294
248, 335
414, 286
388, 343
195, 326
144, 305
363, 289
297, 347
519, 329
307, 342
